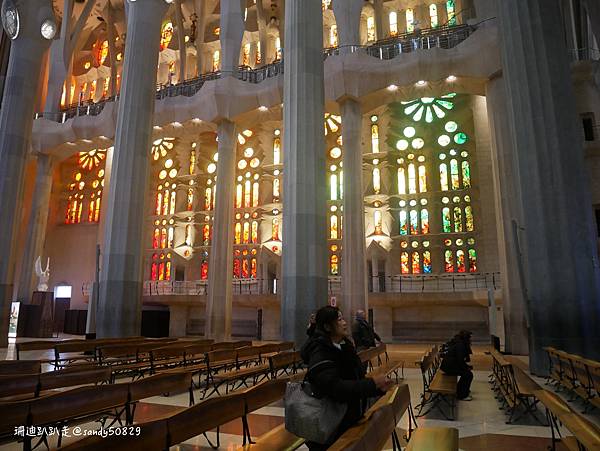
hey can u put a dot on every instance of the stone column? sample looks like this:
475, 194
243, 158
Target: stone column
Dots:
354, 270
507, 191
262, 32
593, 10
347, 18
36, 228
304, 260
220, 267
232, 32
382, 20
560, 256
119, 309
16, 121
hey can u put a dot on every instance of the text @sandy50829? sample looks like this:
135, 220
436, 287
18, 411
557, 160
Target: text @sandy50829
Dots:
75, 431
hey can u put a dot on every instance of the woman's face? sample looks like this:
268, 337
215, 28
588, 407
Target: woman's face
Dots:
340, 327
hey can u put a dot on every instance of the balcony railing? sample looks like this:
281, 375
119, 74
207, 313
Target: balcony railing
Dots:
442, 37
426, 283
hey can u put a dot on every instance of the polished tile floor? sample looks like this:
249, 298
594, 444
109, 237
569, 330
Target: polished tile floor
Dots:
482, 426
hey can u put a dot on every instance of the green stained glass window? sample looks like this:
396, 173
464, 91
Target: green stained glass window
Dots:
449, 261
403, 223
424, 221
461, 138
472, 260
458, 226
446, 222
429, 108
454, 174
460, 261
451, 11
466, 174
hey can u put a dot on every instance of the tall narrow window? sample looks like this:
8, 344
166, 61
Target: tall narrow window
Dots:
216, 61
393, 23
173, 202
460, 261
454, 177
278, 48
258, 54
466, 174
208, 199
444, 177
246, 233
192, 162
458, 226
190, 199
333, 36
170, 237
255, 194
333, 227
378, 224
238, 233
401, 181
422, 179
446, 221
451, 10
156, 239
375, 137
246, 54
275, 229
247, 194
333, 265
166, 202
333, 186
204, 270
424, 221
412, 179
371, 35
416, 263
277, 151
276, 190
206, 235
163, 238
427, 262
472, 260
469, 218
341, 185
403, 223
254, 232
158, 203
188, 235
414, 222
410, 18
433, 15
404, 268
376, 180
448, 261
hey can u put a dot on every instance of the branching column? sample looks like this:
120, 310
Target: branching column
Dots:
119, 309
16, 121
347, 18
304, 260
36, 228
354, 270
560, 257
232, 32
220, 268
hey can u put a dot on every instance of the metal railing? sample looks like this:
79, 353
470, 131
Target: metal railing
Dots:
426, 283
585, 54
441, 37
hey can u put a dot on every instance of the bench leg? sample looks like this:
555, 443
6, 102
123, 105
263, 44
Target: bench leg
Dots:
210, 443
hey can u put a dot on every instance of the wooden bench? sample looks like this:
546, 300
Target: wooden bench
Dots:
8, 367
438, 388
383, 364
433, 439
285, 363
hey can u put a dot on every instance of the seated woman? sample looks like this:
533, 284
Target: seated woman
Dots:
342, 376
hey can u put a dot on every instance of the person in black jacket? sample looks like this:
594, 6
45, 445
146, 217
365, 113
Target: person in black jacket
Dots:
455, 363
363, 334
312, 325
342, 376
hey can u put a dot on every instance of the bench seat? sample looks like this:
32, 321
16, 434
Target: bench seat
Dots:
443, 384
433, 439
278, 439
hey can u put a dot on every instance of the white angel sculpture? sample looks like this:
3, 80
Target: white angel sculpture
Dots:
44, 275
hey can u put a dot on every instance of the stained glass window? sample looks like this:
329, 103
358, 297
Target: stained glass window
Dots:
333, 186
458, 225
246, 54
427, 268
424, 221
393, 23
371, 35
448, 261
403, 223
472, 260
404, 268
433, 15
374, 135
276, 190
190, 199
401, 181
446, 221
414, 222
333, 36
188, 235
451, 10
258, 53
378, 222
166, 35
277, 149
412, 182
216, 61
454, 177
333, 227
428, 108
416, 263
333, 265
206, 235
422, 179
460, 260
469, 218
275, 229
85, 187
410, 19
376, 180
466, 174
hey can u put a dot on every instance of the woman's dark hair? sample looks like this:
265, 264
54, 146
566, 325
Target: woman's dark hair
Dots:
326, 318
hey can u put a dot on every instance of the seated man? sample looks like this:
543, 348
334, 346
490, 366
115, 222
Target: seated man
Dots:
454, 363
363, 334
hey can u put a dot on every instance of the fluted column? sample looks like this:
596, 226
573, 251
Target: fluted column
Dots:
354, 270
304, 260
36, 227
506, 193
220, 268
232, 32
16, 121
557, 236
347, 18
119, 309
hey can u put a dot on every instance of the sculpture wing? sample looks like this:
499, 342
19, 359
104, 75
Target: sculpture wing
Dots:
38, 267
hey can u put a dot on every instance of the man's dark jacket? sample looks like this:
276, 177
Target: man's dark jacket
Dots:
363, 334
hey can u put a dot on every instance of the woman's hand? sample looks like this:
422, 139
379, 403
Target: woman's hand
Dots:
382, 382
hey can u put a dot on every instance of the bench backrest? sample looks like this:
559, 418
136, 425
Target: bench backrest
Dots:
8, 367
158, 384
247, 351
286, 346
18, 384
196, 352
168, 352
284, 360
264, 393
204, 417
61, 378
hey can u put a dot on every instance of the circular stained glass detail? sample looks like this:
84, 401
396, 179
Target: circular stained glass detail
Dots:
471, 241
248, 174
78, 176
211, 168
335, 152
246, 215
404, 244
415, 244
451, 126
255, 176
375, 161
81, 185
402, 144
333, 208
169, 163
442, 156
460, 138
456, 199
239, 178
173, 173
467, 198
162, 174
95, 184
412, 203
400, 160
421, 159
453, 152
402, 203
409, 132
464, 154
423, 201
374, 118
248, 152
418, 143
448, 242
444, 140
216, 157
254, 162
238, 216
277, 132
101, 173
333, 168
411, 156
242, 164
459, 242
425, 243
445, 200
